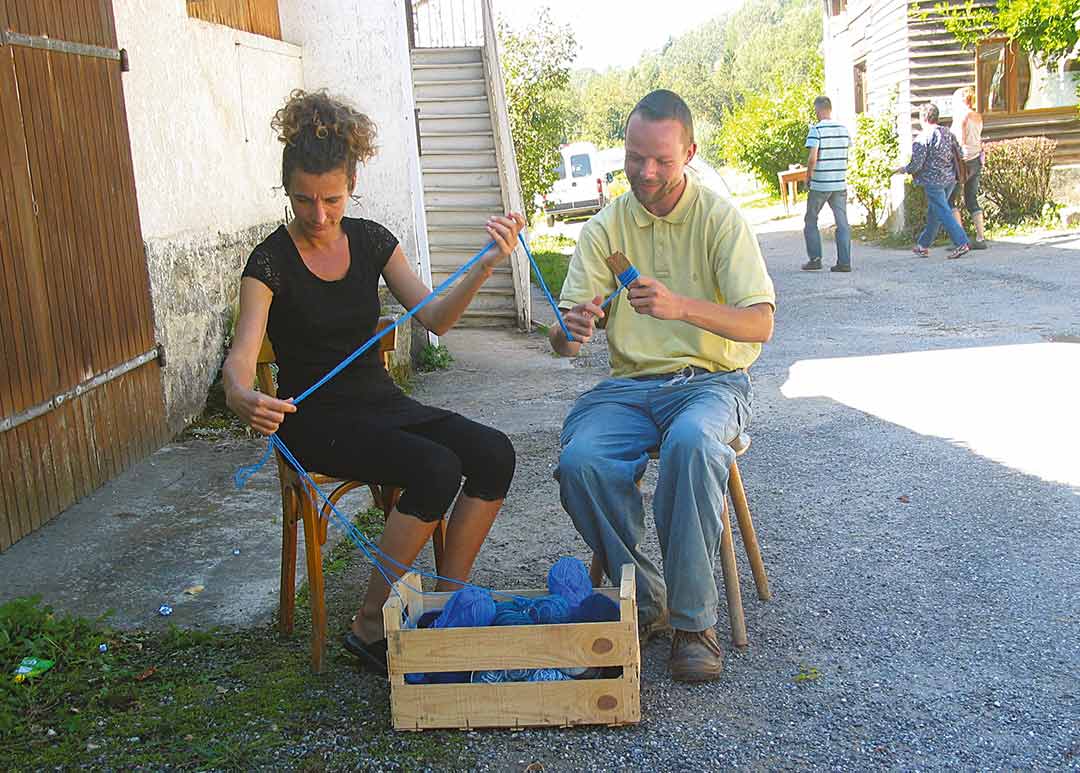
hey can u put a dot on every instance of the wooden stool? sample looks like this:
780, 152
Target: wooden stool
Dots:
299, 503
727, 549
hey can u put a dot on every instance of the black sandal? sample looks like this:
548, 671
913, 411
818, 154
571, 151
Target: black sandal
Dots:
372, 656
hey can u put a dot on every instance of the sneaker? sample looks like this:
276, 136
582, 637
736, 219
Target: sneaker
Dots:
843, 268
959, 252
921, 252
979, 245
696, 656
812, 265
658, 627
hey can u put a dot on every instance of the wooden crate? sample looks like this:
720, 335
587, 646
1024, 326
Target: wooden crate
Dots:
614, 701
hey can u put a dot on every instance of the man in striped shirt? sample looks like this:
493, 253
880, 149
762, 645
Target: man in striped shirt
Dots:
826, 167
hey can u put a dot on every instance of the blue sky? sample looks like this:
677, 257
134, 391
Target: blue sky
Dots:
614, 33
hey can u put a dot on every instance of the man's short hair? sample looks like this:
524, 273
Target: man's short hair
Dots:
821, 104
929, 112
664, 105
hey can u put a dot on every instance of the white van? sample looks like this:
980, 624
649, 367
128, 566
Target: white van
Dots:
581, 188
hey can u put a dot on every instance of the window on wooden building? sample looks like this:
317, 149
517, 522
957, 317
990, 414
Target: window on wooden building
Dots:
257, 16
1009, 80
860, 86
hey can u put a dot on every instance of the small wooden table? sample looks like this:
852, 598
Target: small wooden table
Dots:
791, 177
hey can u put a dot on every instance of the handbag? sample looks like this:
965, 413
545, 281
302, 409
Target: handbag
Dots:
959, 167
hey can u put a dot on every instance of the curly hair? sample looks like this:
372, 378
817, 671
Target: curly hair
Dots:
321, 134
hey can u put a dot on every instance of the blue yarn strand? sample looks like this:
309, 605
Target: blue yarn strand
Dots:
409, 314
625, 278
544, 287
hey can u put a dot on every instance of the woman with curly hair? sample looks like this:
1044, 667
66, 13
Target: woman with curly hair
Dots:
313, 287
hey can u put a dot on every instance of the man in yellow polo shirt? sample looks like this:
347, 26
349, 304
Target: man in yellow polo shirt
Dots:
680, 340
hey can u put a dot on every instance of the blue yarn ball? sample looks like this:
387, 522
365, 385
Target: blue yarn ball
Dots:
548, 675
548, 610
488, 677
511, 613
416, 679
448, 677
428, 618
518, 674
569, 578
467, 608
581, 673
595, 608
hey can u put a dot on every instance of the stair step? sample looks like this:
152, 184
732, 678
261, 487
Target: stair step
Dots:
462, 55
461, 178
474, 133
452, 105
454, 141
482, 200
480, 318
463, 160
468, 122
450, 89
426, 73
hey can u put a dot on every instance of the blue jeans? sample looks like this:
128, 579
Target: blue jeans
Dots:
606, 441
837, 200
938, 214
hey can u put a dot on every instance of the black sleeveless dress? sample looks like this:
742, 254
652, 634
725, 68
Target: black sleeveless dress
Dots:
314, 324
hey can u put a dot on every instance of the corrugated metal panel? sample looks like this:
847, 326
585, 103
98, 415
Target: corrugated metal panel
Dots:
74, 289
257, 16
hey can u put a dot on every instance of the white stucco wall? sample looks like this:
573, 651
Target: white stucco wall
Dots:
199, 101
359, 50
199, 98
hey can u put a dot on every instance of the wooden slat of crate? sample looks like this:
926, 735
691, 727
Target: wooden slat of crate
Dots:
568, 645
516, 704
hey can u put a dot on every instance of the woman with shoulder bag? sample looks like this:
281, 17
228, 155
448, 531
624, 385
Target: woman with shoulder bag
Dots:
967, 127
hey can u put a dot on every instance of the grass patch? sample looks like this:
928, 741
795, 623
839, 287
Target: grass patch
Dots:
434, 358
552, 253
201, 700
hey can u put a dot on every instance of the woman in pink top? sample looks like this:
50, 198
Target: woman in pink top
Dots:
967, 127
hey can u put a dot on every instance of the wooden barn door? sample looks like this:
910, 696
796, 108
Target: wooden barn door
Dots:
80, 383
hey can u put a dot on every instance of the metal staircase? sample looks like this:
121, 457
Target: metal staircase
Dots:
469, 173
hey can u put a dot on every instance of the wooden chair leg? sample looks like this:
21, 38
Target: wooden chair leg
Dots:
596, 570
438, 543
313, 550
731, 582
287, 599
746, 531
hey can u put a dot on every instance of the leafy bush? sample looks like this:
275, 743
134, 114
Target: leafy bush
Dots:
1016, 179
434, 358
873, 157
767, 133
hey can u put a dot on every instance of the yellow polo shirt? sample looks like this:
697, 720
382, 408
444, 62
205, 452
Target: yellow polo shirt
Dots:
703, 248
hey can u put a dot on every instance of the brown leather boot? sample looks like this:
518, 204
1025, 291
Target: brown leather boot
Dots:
696, 656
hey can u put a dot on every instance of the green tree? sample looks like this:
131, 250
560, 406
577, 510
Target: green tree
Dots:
536, 70
766, 132
874, 154
1048, 29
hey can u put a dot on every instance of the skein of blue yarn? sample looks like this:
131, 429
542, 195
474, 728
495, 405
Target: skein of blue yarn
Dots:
488, 677
548, 610
428, 618
448, 677
518, 674
511, 613
416, 679
467, 608
595, 608
548, 675
569, 578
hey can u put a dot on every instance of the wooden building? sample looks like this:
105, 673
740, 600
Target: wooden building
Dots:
876, 51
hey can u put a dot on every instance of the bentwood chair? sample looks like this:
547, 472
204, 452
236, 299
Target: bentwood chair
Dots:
300, 504
727, 548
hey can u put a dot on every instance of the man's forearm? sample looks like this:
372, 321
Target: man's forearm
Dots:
752, 324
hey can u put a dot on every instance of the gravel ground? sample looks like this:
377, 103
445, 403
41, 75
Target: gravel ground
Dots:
926, 610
